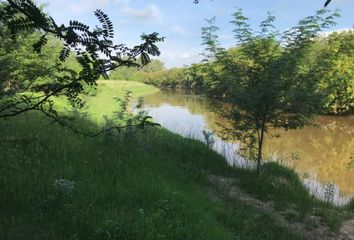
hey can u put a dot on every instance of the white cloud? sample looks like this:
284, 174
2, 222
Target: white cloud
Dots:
177, 55
327, 33
180, 60
89, 5
150, 12
178, 30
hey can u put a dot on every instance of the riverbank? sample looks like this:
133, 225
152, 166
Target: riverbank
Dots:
149, 184
320, 154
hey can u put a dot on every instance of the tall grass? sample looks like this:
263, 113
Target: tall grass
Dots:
149, 184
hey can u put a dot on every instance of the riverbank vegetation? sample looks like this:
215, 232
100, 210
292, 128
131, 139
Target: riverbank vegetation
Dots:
271, 79
329, 64
264, 82
77, 163
141, 184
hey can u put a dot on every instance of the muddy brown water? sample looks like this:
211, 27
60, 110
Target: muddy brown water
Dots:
320, 154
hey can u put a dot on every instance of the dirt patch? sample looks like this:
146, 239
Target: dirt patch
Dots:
319, 230
347, 230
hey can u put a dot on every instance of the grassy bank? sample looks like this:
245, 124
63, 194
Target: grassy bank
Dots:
149, 184
103, 101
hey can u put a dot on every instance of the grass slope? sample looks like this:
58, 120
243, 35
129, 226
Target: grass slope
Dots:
104, 103
150, 184
146, 186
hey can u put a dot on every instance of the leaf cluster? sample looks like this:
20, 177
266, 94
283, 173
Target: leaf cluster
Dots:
263, 79
93, 49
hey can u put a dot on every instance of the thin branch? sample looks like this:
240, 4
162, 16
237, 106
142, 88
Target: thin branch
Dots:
36, 105
86, 134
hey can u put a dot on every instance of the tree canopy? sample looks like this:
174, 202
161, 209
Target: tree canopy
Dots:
334, 71
24, 25
264, 79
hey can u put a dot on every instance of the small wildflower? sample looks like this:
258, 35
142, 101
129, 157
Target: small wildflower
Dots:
141, 211
64, 186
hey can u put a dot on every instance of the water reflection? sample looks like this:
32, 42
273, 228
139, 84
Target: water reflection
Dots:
180, 120
320, 154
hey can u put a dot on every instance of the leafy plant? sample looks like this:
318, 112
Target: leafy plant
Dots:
333, 72
263, 80
87, 45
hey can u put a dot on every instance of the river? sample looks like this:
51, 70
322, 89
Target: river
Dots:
320, 154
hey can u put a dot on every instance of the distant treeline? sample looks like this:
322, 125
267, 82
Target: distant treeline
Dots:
330, 63
156, 74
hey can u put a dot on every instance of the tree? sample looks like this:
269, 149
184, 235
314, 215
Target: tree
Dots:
210, 40
86, 44
19, 63
138, 74
334, 72
153, 66
263, 79
194, 77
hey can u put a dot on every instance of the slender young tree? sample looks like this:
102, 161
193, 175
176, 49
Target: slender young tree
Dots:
264, 82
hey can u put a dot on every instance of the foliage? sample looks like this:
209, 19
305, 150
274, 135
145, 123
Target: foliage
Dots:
136, 74
188, 78
103, 102
334, 72
52, 190
210, 40
116, 188
171, 78
153, 66
20, 65
264, 81
23, 16
351, 205
327, 2
196, 76
67, 186
327, 61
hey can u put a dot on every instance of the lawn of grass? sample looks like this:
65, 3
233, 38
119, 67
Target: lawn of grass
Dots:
104, 102
101, 100
148, 184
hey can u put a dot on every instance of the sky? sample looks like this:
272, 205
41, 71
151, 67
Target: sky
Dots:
180, 21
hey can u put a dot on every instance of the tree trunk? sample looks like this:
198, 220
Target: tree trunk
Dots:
260, 145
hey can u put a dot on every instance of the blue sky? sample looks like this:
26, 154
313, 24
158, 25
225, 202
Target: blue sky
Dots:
180, 21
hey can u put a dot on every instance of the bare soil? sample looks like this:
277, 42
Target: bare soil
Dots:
318, 229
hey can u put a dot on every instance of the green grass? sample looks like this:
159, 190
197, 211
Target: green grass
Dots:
149, 184
101, 100
351, 205
283, 188
104, 102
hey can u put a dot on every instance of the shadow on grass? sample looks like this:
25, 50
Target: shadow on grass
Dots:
148, 184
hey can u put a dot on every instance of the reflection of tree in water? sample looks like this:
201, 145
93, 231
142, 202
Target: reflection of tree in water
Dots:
324, 150
196, 104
